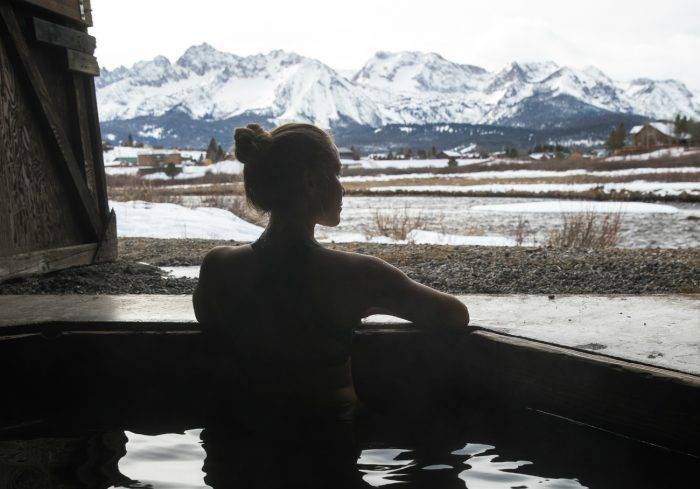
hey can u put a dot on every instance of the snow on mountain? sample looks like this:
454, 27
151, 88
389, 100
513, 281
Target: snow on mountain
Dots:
403, 87
666, 97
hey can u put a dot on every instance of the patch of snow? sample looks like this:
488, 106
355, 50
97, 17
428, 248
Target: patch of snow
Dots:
151, 220
432, 163
656, 188
573, 206
514, 174
122, 170
659, 153
419, 236
229, 167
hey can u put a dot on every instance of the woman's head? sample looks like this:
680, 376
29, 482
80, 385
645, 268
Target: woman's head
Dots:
293, 170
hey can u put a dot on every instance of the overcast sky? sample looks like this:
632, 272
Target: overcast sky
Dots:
624, 38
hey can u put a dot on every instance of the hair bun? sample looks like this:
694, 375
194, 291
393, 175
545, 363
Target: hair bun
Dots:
251, 142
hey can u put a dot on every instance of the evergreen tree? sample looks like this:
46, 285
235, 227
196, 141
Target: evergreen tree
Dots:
433, 152
212, 150
617, 137
452, 163
129, 141
681, 125
220, 154
171, 170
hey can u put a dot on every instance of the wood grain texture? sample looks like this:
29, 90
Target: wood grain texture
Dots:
83, 129
641, 401
45, 261
38, 88
58, 35
108, 249
96, 138
35, 211
70, 9
87, 12
82, 63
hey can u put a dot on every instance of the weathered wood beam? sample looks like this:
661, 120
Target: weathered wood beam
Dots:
72, 9
62, 36
96, 138
82, 63
44, 261
51, 118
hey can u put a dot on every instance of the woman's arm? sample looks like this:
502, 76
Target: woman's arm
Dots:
390, 291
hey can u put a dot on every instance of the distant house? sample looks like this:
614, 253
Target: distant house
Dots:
159, 159
449, 154
657, 134
126, 160
543, 156
347, 154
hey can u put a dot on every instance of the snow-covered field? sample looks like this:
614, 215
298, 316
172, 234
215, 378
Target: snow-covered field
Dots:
515, 174
189, 172
579, 206
150, 220
408, 164
157, 220
445, 220
656, 188
228, 167
659, 153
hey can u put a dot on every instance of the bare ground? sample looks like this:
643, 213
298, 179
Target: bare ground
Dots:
461, 269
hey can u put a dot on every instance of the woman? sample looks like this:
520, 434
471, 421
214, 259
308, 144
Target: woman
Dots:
285, 307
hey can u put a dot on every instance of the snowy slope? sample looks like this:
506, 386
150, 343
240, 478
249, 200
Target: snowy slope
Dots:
404, 87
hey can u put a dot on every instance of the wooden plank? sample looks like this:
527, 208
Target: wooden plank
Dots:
71, 9
82, 63
44, 261
84, 132
62, 36
96, 138
108, 247
51, 119
87, 12
641, 401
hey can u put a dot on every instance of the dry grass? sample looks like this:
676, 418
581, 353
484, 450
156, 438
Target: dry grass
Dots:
395, 224
134, 180
237, 205
552, 165
586, 230
553, 179
144, 191
522, 231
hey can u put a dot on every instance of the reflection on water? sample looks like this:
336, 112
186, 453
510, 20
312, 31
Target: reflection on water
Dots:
490, 451
168, 460
176, 460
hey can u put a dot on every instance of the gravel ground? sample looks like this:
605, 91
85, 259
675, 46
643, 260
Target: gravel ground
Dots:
464, 270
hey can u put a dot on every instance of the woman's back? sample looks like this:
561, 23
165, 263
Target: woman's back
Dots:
284, 308
286, 314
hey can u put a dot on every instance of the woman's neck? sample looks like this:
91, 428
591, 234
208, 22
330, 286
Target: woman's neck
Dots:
285, 229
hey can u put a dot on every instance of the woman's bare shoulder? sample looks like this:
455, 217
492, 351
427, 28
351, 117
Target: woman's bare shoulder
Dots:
357, 261
221, 257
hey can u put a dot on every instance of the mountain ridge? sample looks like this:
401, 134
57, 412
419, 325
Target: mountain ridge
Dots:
407, 87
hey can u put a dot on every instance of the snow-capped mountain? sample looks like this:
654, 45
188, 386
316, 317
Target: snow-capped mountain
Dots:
391, 88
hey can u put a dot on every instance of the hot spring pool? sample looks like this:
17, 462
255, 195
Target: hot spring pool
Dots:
478, 449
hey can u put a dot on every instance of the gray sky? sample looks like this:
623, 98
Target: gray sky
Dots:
624, 38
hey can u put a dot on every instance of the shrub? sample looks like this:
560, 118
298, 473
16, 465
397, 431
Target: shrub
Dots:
586, 230
395, 225
522, 230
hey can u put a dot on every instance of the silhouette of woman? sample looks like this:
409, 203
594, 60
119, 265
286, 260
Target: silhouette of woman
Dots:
285, 308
